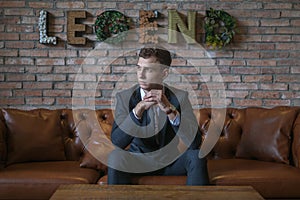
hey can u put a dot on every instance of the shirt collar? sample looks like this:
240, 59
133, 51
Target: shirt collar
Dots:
143, 93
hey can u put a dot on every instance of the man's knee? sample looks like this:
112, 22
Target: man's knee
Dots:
113, 159
193, 157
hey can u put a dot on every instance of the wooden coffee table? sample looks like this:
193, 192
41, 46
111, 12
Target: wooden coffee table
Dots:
91, 191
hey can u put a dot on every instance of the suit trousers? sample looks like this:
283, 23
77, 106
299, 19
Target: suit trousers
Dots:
188, 164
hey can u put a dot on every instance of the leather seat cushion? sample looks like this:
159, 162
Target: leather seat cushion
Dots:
39, 180
271, 180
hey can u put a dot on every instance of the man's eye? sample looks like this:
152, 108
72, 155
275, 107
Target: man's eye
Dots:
149, 70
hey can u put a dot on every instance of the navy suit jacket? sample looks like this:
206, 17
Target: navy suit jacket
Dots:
127, 129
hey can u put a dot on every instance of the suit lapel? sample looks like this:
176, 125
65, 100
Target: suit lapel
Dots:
168, 93
135, 98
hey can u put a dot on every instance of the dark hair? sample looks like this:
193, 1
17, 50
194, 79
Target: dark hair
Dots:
163, 56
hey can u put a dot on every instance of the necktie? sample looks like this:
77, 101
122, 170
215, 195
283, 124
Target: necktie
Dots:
155, 111
154, 121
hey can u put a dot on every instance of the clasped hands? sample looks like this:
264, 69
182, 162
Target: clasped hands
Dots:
152, 98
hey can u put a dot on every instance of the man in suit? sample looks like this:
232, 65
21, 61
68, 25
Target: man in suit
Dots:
156, 124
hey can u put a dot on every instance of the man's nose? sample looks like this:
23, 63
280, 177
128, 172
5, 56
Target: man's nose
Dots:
142, 73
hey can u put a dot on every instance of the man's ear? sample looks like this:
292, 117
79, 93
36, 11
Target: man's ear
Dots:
165, 72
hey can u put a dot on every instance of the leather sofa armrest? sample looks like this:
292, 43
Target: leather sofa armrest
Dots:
296, 142
3, 147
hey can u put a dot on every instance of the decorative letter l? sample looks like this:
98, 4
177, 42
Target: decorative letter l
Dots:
44, 39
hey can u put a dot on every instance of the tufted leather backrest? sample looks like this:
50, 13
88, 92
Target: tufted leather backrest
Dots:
31, 135
78, 125
3, 147
76, 129
228, 134
296, 142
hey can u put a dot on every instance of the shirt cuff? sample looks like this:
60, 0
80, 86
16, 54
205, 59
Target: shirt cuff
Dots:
176, 121
135, 115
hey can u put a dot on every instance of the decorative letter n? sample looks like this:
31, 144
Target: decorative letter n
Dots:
175, 20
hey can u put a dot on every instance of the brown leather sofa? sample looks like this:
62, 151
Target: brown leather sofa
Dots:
41, 149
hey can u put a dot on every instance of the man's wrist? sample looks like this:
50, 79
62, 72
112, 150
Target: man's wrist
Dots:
138, 111
171, 109
174, 116
135, 114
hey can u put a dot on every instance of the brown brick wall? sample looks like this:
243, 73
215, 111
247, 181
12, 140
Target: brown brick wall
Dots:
261, 67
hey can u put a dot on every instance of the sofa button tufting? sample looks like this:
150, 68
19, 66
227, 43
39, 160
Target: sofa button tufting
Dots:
104, 116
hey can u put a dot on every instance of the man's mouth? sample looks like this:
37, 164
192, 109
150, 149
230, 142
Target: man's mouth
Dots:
143, 83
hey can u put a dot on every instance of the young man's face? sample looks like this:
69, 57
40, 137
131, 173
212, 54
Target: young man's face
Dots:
150, 73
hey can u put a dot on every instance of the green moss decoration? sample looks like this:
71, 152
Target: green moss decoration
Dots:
219, 28
111, 26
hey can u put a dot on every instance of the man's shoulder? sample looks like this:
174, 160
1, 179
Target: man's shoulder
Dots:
176, 91
128, 91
